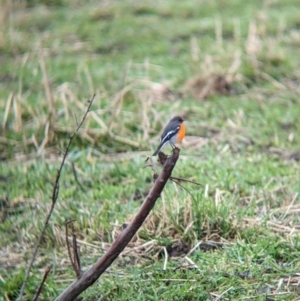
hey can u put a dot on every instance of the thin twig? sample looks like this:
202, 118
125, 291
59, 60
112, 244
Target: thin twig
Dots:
54, 199
77, 264
161, 159
75, 260
38, 292
185, 180
176, 182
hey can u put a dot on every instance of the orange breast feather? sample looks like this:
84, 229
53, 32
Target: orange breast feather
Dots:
181, 133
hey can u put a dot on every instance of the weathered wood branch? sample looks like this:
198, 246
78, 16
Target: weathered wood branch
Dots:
91, 275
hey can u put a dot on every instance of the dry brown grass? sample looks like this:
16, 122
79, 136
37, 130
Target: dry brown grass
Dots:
125, 124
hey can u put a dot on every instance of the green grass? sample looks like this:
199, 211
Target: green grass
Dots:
142, 60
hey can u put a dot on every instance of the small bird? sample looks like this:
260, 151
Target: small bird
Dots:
174, 132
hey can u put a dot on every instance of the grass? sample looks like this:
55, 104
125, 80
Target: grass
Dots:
235, 237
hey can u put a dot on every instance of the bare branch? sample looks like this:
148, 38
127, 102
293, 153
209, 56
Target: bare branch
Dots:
97, 269
54, 199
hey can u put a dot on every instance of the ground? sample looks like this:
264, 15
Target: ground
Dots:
230, 68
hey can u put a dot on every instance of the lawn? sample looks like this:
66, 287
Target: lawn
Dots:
230, 68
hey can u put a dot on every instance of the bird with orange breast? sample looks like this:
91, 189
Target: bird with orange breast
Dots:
173, 133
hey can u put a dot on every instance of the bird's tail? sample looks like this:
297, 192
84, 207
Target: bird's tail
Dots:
158, 149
